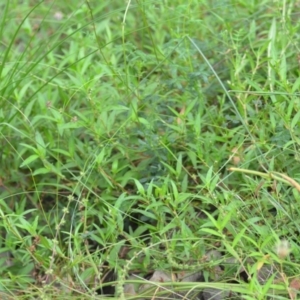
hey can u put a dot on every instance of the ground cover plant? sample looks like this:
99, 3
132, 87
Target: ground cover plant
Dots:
149, 149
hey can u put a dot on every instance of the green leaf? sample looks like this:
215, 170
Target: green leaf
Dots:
40, 141
70, 125
29, 160
140, 187
179, 165
145, 122
212, 219
222, 221
100, 157
28, 226
174, 191
295, 120
211, 231
61, 151
29, 147
41, 171
148, 214
231, 250
238, 237
283, 68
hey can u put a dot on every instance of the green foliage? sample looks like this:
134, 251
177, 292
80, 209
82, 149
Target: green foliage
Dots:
118, 125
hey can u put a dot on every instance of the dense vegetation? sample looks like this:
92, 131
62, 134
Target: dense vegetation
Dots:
149, 138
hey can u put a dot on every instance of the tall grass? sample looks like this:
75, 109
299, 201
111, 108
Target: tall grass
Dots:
149, 136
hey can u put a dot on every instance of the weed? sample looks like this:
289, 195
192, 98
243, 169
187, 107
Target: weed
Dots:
149, 149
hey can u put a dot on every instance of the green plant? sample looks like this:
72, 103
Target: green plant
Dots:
120, 127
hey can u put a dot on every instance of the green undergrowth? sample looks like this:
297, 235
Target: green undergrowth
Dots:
121, 124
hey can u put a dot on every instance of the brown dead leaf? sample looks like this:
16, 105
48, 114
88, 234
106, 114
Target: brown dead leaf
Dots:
295, 284
236, 156
294, 288
181, 113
